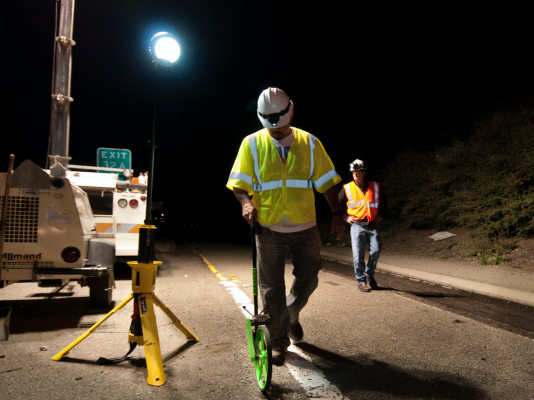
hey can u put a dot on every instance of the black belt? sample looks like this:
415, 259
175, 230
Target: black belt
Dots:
361, 222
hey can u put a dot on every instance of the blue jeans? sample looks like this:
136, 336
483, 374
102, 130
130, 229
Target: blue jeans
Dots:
361, 235
304, 247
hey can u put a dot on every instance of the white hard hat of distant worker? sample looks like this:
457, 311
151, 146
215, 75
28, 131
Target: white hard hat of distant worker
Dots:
274, 108
358, 165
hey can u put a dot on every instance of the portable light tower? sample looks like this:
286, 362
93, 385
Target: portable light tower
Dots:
143, 329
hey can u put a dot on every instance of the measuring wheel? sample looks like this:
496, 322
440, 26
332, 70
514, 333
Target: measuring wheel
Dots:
263, 358
259, 342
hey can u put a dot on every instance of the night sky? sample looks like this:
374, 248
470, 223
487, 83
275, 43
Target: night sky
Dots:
368, 82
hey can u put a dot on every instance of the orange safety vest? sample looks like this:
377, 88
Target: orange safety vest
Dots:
361, 205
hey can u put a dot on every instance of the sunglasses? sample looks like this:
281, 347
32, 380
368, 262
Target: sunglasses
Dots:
275, 117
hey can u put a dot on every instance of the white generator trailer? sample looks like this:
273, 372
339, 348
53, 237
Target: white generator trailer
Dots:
50, 234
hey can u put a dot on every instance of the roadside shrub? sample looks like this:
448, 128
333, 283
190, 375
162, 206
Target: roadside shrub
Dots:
485, 183
493, 257
488, 251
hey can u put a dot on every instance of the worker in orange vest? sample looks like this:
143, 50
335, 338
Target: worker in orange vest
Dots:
365, 206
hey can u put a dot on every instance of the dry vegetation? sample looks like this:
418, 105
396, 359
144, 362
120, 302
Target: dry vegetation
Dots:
484, 184
464, 247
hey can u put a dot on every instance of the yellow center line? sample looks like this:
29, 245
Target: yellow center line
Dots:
218, 274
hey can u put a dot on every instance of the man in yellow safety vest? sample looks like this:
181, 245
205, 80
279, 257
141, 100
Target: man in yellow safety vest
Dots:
279, 166
365, 206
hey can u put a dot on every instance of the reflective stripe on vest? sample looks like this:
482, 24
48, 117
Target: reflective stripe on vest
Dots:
312, 146
325, 178
242, 177
254, 152
375, 204
290, 183
353, 203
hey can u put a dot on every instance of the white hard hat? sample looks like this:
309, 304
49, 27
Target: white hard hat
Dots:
358, 165
274, 108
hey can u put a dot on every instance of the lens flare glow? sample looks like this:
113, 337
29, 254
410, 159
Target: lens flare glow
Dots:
167, 49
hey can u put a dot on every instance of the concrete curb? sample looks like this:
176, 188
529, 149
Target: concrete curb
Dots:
518, 296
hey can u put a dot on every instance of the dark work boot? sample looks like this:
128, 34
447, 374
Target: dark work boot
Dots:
295, 332
372, 283
278, 355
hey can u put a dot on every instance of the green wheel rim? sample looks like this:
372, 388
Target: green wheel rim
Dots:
263, 362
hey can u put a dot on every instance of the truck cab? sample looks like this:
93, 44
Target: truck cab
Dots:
119, 208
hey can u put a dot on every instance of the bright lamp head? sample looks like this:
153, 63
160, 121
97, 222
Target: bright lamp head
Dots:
164, 48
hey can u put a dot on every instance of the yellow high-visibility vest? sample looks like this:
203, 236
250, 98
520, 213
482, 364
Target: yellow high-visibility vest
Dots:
279, 189
361, 205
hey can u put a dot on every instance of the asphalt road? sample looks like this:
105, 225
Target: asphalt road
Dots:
388, 344
508, 315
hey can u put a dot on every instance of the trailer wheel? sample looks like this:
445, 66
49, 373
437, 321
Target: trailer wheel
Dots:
101, 290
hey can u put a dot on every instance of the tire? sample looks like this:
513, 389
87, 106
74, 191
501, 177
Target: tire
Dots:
101, 290
263, 363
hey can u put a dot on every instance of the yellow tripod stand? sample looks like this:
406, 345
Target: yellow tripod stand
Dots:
143, 330
143, 285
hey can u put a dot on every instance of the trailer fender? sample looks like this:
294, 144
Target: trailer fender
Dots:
101, 252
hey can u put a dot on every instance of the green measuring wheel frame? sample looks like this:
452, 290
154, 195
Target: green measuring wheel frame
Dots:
263, 358
260, 351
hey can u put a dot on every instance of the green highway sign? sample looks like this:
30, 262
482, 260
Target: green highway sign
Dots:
114, 158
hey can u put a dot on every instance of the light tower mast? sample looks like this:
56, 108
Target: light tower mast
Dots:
60, 114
